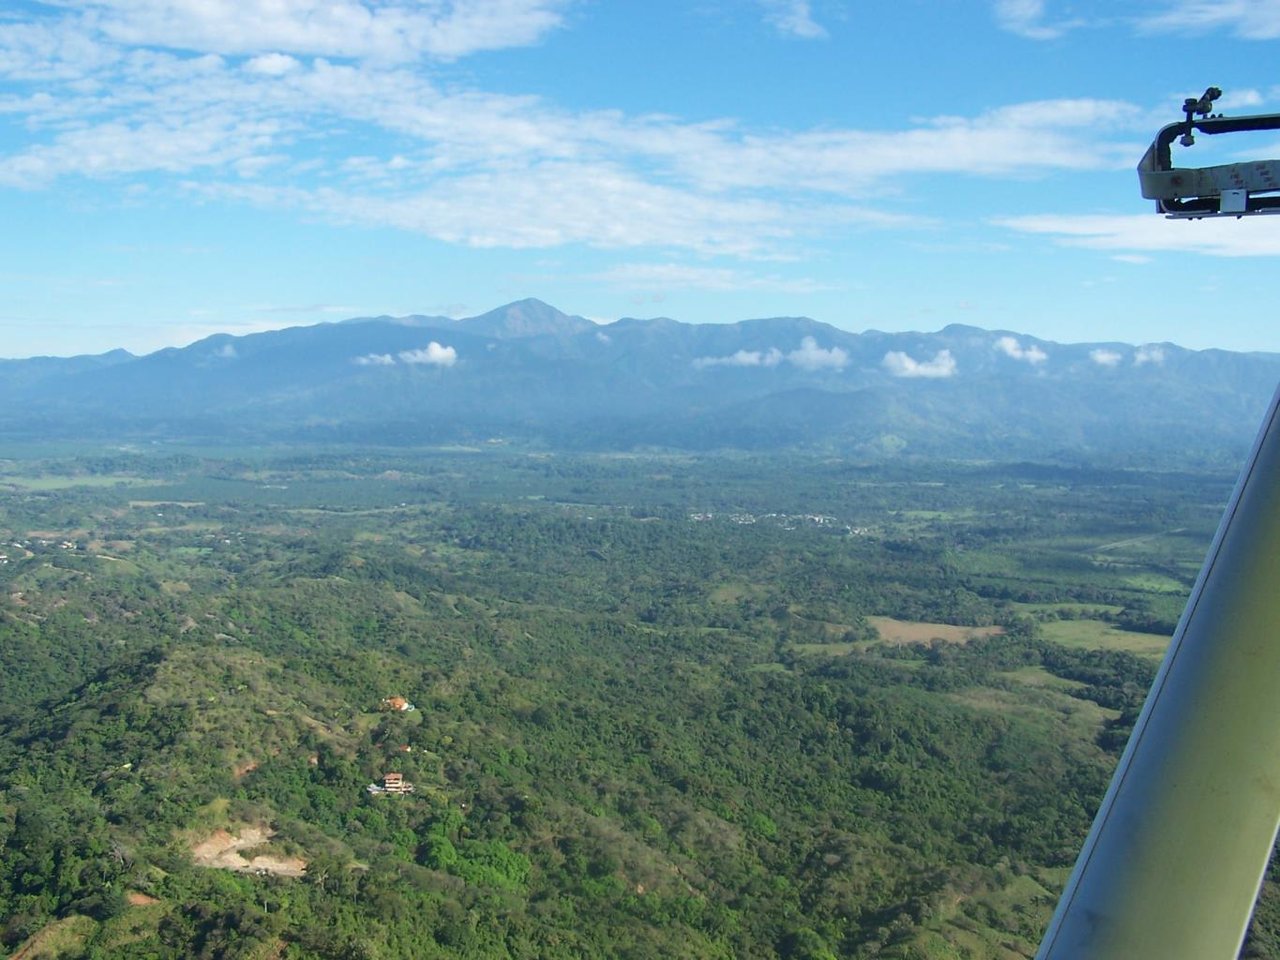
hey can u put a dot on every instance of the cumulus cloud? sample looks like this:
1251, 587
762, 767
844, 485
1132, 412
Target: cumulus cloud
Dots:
810, 356
226, 352
900, 364
272, 64
743, 358
1151, 353
434, 355
1105, 358
1010, 347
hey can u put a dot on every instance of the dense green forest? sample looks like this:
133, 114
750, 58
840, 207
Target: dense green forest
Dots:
750, 707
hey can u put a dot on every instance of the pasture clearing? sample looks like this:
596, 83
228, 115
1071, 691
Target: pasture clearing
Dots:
918, 631
1100, 635
46, 483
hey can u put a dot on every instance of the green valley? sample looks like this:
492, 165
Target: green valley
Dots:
491, 703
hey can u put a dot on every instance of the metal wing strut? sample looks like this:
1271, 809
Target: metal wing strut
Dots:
1173, 863
1172, 866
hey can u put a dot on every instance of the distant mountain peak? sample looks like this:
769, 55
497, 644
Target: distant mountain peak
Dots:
528, 371
526, 318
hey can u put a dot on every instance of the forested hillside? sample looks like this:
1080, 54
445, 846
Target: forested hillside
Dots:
649, 706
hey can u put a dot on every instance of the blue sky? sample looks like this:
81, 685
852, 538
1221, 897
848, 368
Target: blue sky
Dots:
174, 168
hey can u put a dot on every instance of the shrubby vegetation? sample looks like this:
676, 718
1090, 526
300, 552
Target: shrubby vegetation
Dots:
659, 712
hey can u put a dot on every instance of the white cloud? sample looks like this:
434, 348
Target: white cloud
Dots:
900, 364
434, 354
1010, 347
1248, 19
374, 360
45, 51
1240, 98
276, 102
1025, 138
793, 17
389, 30
1027, 19
555, 203
1105, 358
226, 352
1151, 353
511, 212
603, 337
810, 356
743, 358
272, 64
1219, 237
169, 145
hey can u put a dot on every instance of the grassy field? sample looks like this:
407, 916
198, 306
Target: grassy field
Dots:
914, 631
958, 931
734, 591
1100, 635
1155, 583
37, 483
893, 631
1040, 677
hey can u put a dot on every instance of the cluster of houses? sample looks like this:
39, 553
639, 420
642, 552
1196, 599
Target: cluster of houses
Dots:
25, 547
788, 521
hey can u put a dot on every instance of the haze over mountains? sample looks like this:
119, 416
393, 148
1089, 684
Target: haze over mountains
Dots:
528, 373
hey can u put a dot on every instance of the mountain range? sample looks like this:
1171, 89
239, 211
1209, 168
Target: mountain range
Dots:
528, 373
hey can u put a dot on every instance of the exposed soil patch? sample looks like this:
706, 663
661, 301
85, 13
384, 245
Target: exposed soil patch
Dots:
245, 766
224, 852
136, 898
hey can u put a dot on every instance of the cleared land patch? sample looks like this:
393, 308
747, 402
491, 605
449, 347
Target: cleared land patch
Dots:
66, 483
221, 850
1100, 635
918, 631
1155, 583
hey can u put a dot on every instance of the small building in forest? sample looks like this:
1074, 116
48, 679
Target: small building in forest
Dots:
393, 783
